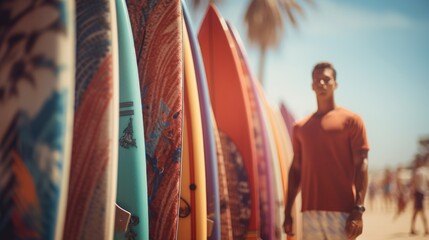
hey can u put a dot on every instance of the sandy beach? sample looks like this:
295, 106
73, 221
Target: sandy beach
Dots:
380, 224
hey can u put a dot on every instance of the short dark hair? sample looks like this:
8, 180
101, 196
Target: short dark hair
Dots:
323, 65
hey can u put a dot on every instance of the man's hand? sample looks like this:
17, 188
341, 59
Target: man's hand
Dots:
354, 224
288, 225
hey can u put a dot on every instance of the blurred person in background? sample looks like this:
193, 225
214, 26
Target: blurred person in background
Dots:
372, 193
401, 192
420, 185
388, 185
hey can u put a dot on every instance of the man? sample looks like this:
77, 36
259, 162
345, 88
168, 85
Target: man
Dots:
330, 166
420, 185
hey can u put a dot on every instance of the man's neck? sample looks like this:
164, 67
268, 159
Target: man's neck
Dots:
324, 106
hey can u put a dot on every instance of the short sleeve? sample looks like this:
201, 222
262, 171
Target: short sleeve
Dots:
358, 137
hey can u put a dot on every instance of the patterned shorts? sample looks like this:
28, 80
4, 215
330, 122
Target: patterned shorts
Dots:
324, 225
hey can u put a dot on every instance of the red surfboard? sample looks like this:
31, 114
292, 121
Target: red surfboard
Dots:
232, 110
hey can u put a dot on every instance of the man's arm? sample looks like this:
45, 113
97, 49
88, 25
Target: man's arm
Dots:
354, 224
361, 178
293, 188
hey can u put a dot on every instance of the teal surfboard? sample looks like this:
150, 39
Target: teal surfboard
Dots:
132, 180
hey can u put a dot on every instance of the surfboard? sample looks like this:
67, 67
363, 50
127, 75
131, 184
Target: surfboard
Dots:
275, 165
211, 167
132, 186
193, 198
157, 33
93, 172
226, 85
225, 212
288, 118
36, 105
262, 145
284, 147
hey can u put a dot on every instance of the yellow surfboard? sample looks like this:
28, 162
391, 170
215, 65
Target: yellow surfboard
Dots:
193, 203
275, 165
284, 146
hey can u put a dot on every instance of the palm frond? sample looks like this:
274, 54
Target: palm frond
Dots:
291, 7
264, 23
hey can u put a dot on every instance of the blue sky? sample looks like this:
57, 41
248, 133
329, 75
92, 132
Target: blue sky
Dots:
380, 49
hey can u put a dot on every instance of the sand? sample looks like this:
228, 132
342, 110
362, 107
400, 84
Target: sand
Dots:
380, 224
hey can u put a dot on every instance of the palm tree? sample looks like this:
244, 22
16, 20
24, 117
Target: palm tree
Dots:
265, 23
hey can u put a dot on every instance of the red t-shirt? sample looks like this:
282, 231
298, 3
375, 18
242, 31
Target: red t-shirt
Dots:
326, 145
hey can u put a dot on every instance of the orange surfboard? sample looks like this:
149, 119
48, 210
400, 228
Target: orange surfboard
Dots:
229, 98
